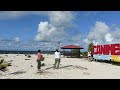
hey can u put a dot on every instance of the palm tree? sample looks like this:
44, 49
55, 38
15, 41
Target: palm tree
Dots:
90, 47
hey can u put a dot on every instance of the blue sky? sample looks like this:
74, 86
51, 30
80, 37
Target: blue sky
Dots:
24, 30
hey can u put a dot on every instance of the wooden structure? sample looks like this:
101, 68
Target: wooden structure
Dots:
75, 51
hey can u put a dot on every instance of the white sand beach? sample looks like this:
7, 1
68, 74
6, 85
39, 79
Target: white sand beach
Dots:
70, 68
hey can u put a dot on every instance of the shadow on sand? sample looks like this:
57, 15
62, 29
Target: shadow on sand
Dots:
65, 66
58, 68
18, 72
49, 68
71, 67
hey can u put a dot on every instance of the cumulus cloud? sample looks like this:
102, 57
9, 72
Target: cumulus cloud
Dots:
54, 30
108, 37
55, 26
61, 18
116, 34
46, 32
97, 33
102, 33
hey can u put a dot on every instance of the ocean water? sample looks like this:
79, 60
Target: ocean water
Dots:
26, 52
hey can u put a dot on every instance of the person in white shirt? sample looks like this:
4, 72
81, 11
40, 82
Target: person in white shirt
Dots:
90, 56
57, 59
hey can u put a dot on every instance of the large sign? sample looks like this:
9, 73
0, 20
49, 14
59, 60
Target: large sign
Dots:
108, 49
107, 52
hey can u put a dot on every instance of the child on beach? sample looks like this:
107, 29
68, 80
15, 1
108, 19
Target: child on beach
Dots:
39, 57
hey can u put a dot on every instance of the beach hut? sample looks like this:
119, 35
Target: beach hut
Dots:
75, 51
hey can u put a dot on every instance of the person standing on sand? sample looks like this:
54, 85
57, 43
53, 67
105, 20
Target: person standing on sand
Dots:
57, 59
89, 55
39, 57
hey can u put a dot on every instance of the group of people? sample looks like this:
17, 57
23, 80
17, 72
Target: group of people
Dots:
57, 56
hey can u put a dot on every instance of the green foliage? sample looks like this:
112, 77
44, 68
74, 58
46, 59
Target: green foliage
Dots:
1, 61
75, 50
90, 47
84, 53
9, 64
4, 64
29, 56
43, 58
2, 67
43, 64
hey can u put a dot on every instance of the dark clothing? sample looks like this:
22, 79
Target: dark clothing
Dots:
57, 61
39, 64
91, 54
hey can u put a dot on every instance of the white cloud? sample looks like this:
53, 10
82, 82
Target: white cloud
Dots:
46, 32
108, 37
61, 18
86, 41
52, 30
116, 34
17, 39
55, 29
97, 33
102, 33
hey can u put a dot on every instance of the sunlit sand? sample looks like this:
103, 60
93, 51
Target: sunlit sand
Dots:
70, 68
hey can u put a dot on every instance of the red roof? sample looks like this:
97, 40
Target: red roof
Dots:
71, 47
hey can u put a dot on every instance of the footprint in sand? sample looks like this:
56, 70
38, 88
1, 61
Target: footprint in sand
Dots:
79, 67
42, 72
86, 73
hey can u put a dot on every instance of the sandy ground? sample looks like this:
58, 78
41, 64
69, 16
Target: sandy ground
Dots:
70, 68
